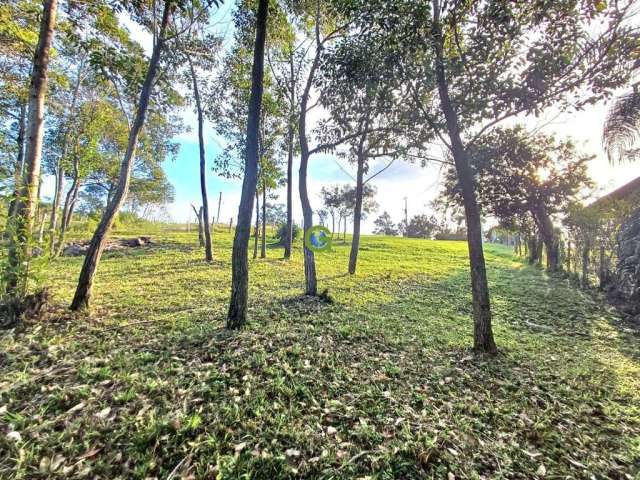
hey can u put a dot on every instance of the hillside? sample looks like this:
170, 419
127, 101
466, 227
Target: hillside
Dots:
381, 383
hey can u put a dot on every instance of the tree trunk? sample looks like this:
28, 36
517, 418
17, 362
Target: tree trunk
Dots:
18, 173
60, 173
344, 231
288, 240
548, 236
19, 251
263, 246
357, 211
483, 334
219, 204
256, 231
569, 256
43, 221
586, 248
208, 252
67, 211
82, 296
603, 270
237, 315
198, 213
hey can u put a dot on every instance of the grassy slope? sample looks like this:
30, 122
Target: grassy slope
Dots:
382, 383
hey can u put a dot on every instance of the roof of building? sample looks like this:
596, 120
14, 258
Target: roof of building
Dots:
625, 191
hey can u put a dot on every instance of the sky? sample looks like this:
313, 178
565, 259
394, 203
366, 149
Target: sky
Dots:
402, 180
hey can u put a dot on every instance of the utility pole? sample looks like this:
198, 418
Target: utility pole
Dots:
219, 203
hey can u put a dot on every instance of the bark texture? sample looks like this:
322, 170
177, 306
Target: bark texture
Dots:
483, 334
263, 244
27, 201
357, 211
237, 315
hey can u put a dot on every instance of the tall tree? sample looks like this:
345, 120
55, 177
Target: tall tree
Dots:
237, 315
468, 66
517, 174
94, 253
19, 250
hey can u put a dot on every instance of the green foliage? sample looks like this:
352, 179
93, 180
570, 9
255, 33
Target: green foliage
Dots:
421, 226
517, 173
384, 225
282, 232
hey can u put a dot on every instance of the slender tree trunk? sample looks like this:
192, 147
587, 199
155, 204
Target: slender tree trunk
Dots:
208, 252
540, 253
586, 248
26, 205
483, 334
263, 246
67, 211
549, 238
569, 256
603, 270
18, 173
219, 204
43, 221
60, 173
198, 213
82, 296
256, 234
288, 240
357, 211
237, 315
344, 231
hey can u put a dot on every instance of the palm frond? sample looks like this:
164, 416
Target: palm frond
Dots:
622, 127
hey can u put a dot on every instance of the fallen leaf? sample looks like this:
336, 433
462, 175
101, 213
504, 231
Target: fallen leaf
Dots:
90, 453
76, 408
14, 436
331, 431
542, 471
575, 463
239, 447
104, 413
292, 452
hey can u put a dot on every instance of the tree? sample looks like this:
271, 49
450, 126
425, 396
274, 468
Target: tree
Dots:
19, 251
364, 108
237, 315
421, 226
199, 50
19, 26
286, 55
468, 66
384, 225
332, 201
94, 253
517, 173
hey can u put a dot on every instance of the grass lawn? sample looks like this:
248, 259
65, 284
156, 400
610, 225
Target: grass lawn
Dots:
380, 384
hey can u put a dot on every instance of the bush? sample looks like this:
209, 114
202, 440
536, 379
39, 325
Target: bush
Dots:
282, 231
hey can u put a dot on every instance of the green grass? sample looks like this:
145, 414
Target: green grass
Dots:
380, 384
